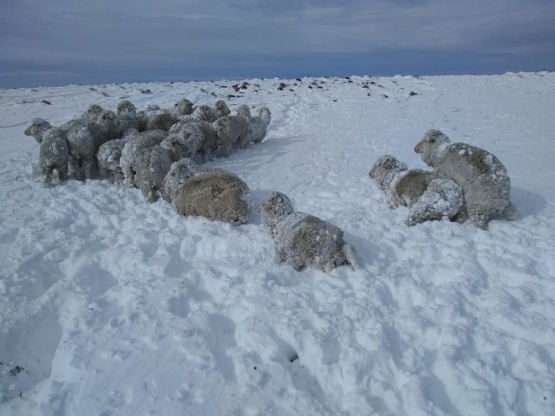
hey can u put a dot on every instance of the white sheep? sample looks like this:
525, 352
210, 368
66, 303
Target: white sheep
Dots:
108, 158
197, 137
258, 125
183, 107
429, 195
145, 115
126, 107
483, 178
180, 172
233, 133
37, 128
152, 166
91, 113
302, 240
217, 195
53, 155
222, 109
83, 140
133, 147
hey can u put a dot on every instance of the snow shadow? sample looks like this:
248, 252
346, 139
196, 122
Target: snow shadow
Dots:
527, 203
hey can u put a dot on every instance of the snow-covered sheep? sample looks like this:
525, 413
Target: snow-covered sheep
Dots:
144, 116
180, 172
429, 195
183, 107
124, 122
222, 109
53, 155
133, 147
126, 107
233, 133
258, 125
162, 121
91, 113
108, 158
196, 137
217, 195
83, 140
483, 178
302, 240
37, 128
152, 166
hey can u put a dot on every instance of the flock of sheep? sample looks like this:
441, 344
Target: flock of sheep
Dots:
157, 150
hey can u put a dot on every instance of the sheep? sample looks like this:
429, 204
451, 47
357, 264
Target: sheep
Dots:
183, 107
196, 137
258, 125
152, 166
133, 147
233, 133
37, 128
83, 140
162, 121
125, 121
217, 195
91, 114
145, 115
222, 109
180, 171
108, 158
483, 178
53, 155
126, 107
302, 240
429, 195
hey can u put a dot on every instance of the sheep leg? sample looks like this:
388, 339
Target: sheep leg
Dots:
46, 175
63, 172
350, 254
509, 212
479, 220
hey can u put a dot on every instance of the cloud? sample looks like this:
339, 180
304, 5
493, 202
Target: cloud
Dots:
190, 33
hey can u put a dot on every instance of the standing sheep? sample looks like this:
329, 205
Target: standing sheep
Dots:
483, 178
217, 195
258, 125
233, 133
302, 240
53, 155
152, 166
429, 195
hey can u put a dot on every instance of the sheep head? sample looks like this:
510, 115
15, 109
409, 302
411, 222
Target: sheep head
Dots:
183, 107
126, 107
385, 169
275, 208
265, 114
430, 146
222, 109
244, 111
37, 127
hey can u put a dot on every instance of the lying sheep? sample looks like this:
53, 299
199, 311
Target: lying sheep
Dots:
53, 155
429, 195
483, 178
217, 195
152, 166
180, 172
302, 240
131, 150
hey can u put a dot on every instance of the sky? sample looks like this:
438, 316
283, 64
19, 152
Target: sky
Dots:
60, 42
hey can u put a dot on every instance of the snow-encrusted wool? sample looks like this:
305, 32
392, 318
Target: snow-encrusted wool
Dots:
222, 109
152, 166
233, 133
91, 114
126, 107
36, 128
145, 115
258, 125
83, 140
124, 122
108, 158
162, 121
429, 195
217, 195
53, 155
198, 137
134, 146
483, 178
302, 240
180, 172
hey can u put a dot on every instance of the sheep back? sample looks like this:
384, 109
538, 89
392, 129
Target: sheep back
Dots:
216, 195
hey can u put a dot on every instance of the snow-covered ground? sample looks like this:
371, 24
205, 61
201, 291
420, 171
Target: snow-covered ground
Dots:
111, 306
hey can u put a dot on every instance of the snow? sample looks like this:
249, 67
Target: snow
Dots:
111, 306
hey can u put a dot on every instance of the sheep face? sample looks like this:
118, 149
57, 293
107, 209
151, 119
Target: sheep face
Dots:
431, 145
222, 109
385, 169
37, 127
244, 111
274, 208
183, 107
